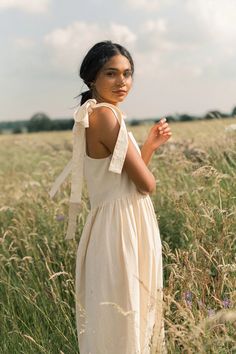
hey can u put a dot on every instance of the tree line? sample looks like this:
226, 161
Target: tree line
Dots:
41, 122
37, 123
187, 117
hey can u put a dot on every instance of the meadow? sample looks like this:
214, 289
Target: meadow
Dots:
195, 204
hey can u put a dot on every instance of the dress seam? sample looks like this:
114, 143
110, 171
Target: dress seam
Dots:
136, 193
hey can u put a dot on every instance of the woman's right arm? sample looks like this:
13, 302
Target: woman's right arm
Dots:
108, 127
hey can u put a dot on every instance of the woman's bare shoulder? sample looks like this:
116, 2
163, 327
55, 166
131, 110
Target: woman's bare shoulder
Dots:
104, 118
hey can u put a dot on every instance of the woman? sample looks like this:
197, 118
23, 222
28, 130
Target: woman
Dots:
119, 260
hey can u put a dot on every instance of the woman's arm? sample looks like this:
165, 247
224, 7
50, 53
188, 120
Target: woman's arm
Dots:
108, 127
146, 153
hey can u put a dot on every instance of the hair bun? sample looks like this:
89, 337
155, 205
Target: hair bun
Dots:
86, 95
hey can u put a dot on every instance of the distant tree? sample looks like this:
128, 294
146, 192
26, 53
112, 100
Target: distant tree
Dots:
17, 130
213, 115
225, 115
234, 112
62, 124
185, 117
39, 122
135, 122
170, 119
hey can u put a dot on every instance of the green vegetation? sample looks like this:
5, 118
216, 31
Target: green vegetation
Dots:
40, 122
195, 204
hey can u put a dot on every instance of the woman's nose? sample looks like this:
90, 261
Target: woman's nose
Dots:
121, 81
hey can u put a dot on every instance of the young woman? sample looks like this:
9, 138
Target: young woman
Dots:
119, 257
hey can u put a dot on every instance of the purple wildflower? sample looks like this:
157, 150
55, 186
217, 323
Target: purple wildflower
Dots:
188, 298
211, 312
226, 303
60, 217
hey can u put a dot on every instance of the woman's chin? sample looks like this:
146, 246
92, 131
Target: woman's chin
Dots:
115, 100
121, 99
118, 99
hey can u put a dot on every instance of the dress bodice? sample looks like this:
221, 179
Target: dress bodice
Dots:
104, 177
104, 185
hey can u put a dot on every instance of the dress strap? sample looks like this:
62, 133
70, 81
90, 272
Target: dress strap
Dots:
76, 164
121, 146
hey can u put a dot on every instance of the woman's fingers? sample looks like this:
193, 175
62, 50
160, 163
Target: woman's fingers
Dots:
165, 129
159, 124
167, 135
163, 125
162, 128
163, 120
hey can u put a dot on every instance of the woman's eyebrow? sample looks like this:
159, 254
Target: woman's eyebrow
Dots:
115, 69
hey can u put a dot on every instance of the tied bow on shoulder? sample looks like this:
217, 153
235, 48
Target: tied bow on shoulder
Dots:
76, 164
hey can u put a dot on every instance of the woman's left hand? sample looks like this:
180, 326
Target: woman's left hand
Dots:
159, 134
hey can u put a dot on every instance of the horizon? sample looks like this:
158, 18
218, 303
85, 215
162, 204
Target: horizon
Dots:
131, 118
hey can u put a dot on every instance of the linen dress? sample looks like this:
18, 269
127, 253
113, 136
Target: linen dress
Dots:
118, 279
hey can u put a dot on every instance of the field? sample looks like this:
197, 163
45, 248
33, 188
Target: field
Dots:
195, 204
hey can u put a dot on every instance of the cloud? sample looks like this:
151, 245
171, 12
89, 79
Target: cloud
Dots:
159, 25
192, 21
186, 41
122, 34
154, 36
194, 39
152, 47
217, 18
31, 6
67, 45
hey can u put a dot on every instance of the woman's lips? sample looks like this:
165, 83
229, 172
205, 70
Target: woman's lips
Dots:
120, 92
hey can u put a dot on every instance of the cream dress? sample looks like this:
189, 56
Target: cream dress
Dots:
119, 258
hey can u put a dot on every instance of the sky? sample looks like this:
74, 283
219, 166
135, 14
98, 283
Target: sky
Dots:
183, 50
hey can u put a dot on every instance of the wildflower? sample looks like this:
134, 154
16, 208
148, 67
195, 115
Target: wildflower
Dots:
60, 217
226, 303
211, 312
188, 298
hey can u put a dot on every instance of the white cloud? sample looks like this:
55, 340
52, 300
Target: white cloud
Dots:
67, 45
153, 47
154, 36
195, 39
33, 6
217, 17
150, 46
122, 34
159, 25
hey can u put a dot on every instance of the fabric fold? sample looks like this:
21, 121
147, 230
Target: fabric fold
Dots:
76, 164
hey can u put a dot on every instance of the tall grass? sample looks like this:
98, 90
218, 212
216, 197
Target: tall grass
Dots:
195, 204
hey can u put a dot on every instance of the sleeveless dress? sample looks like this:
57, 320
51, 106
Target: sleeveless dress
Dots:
118, 280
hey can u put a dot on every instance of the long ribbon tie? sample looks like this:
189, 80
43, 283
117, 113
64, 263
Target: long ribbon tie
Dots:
76, 164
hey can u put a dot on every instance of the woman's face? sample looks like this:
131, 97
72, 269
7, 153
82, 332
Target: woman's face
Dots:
114, 80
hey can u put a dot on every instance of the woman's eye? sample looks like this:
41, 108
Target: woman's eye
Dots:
127, 74
110, 74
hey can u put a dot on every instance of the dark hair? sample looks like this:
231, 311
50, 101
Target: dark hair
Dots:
95, 59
